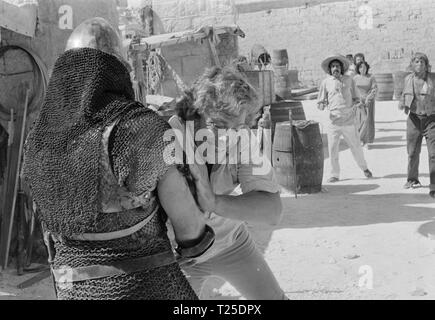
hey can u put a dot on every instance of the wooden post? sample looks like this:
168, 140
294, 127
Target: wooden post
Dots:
214, 54
267, 134
15, 146
292, 139
21, 233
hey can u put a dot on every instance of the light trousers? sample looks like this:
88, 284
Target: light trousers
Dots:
243, 266
351, 136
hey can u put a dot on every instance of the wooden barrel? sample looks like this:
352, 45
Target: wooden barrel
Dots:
280, 57
283, 137
385, 86
282, 81
279, 111
282, 156
399, 83
304, 168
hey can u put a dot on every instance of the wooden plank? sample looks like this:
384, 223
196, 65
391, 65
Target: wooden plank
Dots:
159, 41
310, 96
12, 182
35, 279
150, 45
304, 91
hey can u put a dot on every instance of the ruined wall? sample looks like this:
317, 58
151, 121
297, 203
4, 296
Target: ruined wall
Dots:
388, 37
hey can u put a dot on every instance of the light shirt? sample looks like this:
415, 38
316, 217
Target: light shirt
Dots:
225, 179
339, 95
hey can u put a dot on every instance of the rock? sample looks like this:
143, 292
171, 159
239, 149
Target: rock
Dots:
352, 256
419, 292
332, 261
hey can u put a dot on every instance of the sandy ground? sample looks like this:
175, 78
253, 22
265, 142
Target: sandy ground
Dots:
358, 239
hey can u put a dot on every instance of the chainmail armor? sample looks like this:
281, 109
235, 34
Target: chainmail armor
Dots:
88, 90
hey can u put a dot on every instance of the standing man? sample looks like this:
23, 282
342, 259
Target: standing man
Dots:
418, 100
338, 95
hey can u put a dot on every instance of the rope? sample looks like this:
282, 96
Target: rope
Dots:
154, 72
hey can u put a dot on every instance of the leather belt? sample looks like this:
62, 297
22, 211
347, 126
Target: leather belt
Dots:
67, 275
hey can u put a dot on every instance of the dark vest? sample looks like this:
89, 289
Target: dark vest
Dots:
427, 102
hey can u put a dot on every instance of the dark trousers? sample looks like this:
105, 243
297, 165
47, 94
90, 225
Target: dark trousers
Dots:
417, 128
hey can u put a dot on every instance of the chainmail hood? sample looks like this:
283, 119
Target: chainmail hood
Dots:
88, 90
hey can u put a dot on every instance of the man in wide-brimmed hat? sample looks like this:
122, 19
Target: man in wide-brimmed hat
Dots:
418, 99
339, 96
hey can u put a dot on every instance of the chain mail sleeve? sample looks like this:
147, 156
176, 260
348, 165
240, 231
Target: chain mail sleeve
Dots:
137, 151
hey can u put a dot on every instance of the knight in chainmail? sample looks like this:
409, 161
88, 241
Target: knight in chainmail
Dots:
96, 165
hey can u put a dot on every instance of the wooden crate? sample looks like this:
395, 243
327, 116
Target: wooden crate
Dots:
263, 81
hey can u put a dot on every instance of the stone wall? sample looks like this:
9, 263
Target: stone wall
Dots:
388, 37
179, 15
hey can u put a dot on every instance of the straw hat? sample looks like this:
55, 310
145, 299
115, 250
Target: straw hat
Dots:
339, 57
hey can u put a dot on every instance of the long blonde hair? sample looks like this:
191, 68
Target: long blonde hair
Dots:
221, 94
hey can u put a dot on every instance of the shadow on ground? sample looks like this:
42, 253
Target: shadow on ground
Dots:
404, 176
389, 139
428, 230
343, 146
332, 210
353, 209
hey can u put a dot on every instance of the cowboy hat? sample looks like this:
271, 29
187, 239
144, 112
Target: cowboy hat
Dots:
339, 57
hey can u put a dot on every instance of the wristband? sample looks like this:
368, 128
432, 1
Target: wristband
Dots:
205, 242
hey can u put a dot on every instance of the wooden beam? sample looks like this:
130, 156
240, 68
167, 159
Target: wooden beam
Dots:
168, 42
165, 40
